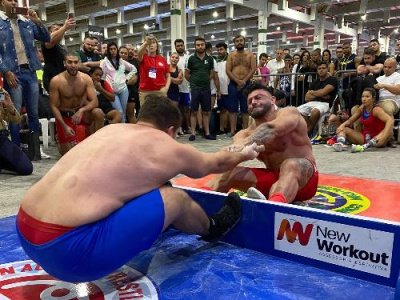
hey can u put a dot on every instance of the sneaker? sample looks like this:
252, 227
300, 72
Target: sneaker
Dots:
357, 148
331, 141
255, 194
192, 137
210, 137
225, 219
44, 155
316, 140
338, 147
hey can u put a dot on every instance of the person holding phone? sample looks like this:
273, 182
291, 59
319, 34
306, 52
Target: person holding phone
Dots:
19, 62
12, 158
54, 52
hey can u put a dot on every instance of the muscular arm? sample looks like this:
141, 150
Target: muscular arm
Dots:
287, 120
54, 100
386, 133
375, 69
90, 94
178, 80
57, 36
197, 164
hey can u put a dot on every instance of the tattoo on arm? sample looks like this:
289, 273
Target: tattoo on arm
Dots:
263, 133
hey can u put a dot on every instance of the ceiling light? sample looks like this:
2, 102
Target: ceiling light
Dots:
146, 27
215, 14
212, 36
118, 31
278, 28
243, 32
364, 17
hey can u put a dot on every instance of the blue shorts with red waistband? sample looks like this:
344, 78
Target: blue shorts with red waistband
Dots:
94, 250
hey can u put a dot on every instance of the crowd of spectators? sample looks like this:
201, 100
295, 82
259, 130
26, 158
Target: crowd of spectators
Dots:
324, 86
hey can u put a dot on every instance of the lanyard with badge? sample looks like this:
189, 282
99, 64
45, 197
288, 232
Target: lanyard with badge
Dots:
153, 70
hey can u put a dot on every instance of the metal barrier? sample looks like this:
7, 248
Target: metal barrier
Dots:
299, 84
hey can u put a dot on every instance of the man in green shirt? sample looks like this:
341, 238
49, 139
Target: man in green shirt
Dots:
199, 71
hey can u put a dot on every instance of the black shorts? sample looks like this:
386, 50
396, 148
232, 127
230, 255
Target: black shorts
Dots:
200, 97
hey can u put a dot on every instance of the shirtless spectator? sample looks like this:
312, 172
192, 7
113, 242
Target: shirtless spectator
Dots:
108, 191
73, 102
290, 172
240, 68
319, 97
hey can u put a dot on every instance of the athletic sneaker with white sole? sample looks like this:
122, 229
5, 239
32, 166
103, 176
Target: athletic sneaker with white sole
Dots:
255, 194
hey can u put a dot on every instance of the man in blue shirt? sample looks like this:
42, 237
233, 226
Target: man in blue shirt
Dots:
19, 62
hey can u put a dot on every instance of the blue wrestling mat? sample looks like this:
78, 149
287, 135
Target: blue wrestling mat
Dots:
179, 266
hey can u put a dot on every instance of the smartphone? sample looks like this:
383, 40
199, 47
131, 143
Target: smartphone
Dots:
70, 15
16, 10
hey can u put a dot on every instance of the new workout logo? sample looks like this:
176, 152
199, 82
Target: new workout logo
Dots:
292, 233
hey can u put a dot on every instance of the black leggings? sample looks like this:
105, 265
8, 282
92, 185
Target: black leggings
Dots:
13, 159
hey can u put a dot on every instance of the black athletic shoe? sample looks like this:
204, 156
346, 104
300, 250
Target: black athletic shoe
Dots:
210, 137
225, 219
192, 137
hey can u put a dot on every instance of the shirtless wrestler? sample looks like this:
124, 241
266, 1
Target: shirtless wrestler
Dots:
290, 172
240, 68
106, 200
73, 102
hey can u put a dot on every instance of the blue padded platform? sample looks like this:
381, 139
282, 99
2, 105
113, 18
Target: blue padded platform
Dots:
182, 267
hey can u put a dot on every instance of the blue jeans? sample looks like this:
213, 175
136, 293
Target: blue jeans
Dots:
26, 93
120, 102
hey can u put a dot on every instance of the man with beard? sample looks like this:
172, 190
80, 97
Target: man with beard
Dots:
74, 105
184, 88
290, 172
199, 70
240, 67
88, 57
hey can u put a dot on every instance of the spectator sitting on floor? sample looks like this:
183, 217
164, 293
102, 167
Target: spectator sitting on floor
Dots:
105, 95
319, 97
389, 87
12, 158
377, 126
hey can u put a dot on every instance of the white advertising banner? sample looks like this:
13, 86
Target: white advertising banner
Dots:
348, 246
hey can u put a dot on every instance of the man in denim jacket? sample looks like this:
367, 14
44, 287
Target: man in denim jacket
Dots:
19, 62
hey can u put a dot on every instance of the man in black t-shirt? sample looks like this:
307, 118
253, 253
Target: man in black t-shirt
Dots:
54, 52
319, 97
88, 57
380, 57
369, 65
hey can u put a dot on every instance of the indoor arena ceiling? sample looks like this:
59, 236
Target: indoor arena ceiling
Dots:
367, 18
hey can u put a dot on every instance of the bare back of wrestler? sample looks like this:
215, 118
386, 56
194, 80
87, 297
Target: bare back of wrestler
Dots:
115, 165
288, 158
73, 101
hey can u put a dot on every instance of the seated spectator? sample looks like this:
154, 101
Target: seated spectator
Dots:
319, 97
105, 96
380, 56
74, 105
377, 126
283, 79
389, 88
280, 98
11, 156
